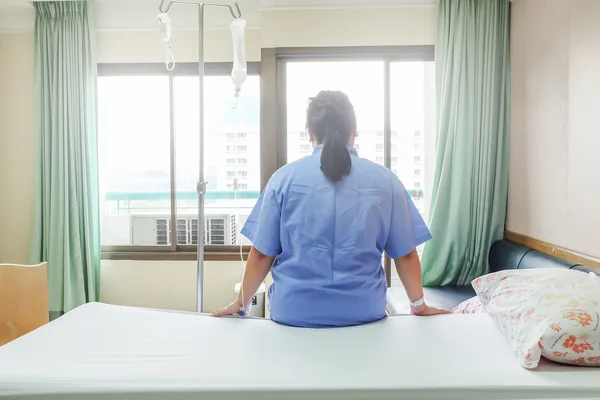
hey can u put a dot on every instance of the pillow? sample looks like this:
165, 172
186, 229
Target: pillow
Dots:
552, 313
470, 306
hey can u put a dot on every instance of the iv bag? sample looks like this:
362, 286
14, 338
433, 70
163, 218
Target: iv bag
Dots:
239, 72
164, 26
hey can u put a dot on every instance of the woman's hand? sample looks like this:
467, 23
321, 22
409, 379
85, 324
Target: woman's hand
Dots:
426, 311
232, 309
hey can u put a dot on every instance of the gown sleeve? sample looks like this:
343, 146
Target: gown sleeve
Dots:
263, 224
407, 229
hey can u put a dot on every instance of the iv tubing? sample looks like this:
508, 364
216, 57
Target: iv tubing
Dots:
244, 310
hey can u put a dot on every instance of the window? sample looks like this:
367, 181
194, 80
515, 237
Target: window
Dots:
393, 98
134, 156
412, 93
149, 150
410, 116
136, 129
223, 217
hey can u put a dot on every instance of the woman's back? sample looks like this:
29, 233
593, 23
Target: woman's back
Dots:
331, 237
328, 218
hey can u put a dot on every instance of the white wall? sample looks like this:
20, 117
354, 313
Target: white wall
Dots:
554, 186
156, 284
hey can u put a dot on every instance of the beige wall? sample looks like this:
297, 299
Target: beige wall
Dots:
555, 136
352, 27
168, 285
16, 145
145, 46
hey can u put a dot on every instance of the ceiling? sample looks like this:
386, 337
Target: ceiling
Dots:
18, 15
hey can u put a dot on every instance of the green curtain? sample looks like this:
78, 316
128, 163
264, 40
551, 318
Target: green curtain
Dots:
468, 206
66, 230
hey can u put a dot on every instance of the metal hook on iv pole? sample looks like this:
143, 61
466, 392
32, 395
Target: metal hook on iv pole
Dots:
237, 13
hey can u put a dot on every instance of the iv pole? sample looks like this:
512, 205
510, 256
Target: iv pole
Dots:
201, 185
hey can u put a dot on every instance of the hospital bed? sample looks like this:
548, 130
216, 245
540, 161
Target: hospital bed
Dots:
111, 352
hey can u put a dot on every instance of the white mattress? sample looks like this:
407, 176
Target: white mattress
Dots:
109, 352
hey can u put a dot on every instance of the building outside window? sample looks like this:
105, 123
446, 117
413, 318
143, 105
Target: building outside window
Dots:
149, 149
135, 159
410, 102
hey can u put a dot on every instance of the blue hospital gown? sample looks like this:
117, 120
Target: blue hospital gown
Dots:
329, 240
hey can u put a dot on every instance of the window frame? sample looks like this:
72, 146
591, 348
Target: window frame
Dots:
174, 251
273, 123
277, 59
386, 54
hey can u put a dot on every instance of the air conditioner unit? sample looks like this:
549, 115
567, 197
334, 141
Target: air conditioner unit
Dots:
149, 230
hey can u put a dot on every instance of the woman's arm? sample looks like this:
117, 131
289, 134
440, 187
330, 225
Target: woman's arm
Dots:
257, 268
409, 271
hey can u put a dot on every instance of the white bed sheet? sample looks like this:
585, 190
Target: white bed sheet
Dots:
110, 352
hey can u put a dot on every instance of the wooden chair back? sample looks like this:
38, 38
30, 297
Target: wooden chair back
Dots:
23, 299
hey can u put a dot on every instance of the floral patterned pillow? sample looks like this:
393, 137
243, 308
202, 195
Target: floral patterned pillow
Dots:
550, 313
470, 306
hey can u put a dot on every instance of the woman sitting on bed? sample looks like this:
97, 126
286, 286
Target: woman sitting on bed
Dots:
321, 226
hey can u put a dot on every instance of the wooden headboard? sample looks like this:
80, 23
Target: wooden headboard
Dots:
556, 251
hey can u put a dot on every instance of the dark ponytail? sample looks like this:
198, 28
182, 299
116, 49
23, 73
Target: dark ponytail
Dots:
331, 120
335, 158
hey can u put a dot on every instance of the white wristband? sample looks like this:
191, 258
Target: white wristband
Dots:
418, 303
